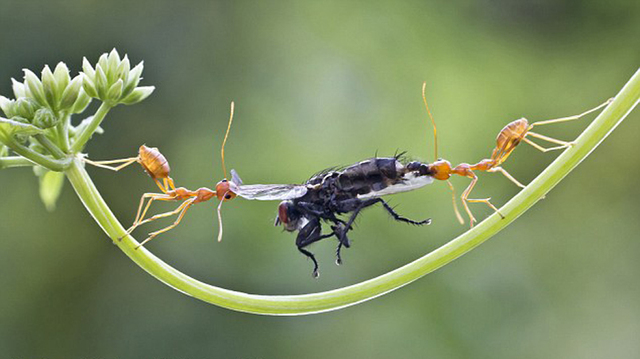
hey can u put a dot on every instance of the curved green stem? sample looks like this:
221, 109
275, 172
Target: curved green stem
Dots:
88, 131
14, 161
50, 146
343, 297
35, 157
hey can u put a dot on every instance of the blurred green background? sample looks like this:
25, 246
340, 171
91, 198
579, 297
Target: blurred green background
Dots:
319, 84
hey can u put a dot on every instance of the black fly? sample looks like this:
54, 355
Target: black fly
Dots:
326, 196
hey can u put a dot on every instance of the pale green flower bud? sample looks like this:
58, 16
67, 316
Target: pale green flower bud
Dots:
70, 94
133, 79
115, 91
4, 151
87, 68
113, 62
124, 68
19, 89
45, 118
61, 73
102, 83
34, 87
50, 86
81, 103
88, 86
25, 107
113, 80
137, 95
6, 105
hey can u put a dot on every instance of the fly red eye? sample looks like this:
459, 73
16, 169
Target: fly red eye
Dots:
283, 212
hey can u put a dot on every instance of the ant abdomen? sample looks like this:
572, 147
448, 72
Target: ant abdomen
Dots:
153, 162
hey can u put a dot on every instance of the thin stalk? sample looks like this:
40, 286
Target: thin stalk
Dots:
88, 131
360, 292
35, 157
49, 146
14, 161
63, 131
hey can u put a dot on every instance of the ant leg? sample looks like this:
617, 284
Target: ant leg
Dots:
182, 209
465, 199
398, 217
310, 233
152, 197
103, 164
163, 187
139, 217
453, 199
550, 139
506, 174
542, 149
169, 181
464, 196
571, 118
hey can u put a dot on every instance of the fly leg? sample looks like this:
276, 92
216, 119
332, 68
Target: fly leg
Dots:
313, 209
340, 232
398, 217
311, 233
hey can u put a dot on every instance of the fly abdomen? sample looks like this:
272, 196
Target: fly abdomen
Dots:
372, 175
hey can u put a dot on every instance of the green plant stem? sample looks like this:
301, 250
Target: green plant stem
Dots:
88, 131
35, 157
14, 161
360, 292
63, 131
50, 146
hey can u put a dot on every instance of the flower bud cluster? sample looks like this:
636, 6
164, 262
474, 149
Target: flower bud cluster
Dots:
114, 81
39, 101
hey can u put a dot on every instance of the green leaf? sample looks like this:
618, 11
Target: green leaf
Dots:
50, 188
12, 127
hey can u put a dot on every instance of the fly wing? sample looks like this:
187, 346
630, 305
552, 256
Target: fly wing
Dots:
270, 192
266, 192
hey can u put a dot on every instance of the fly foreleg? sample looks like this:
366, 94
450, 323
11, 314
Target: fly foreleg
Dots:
311, 233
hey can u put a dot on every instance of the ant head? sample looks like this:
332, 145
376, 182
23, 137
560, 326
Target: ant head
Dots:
440, 169
223, 191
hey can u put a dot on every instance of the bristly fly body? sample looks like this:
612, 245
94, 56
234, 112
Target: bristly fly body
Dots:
330, 194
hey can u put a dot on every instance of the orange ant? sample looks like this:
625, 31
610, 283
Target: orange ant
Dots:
508, 138
157, 167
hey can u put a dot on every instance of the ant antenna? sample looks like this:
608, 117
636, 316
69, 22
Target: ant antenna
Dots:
433, 123
224, 169
225, 141
220, 220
